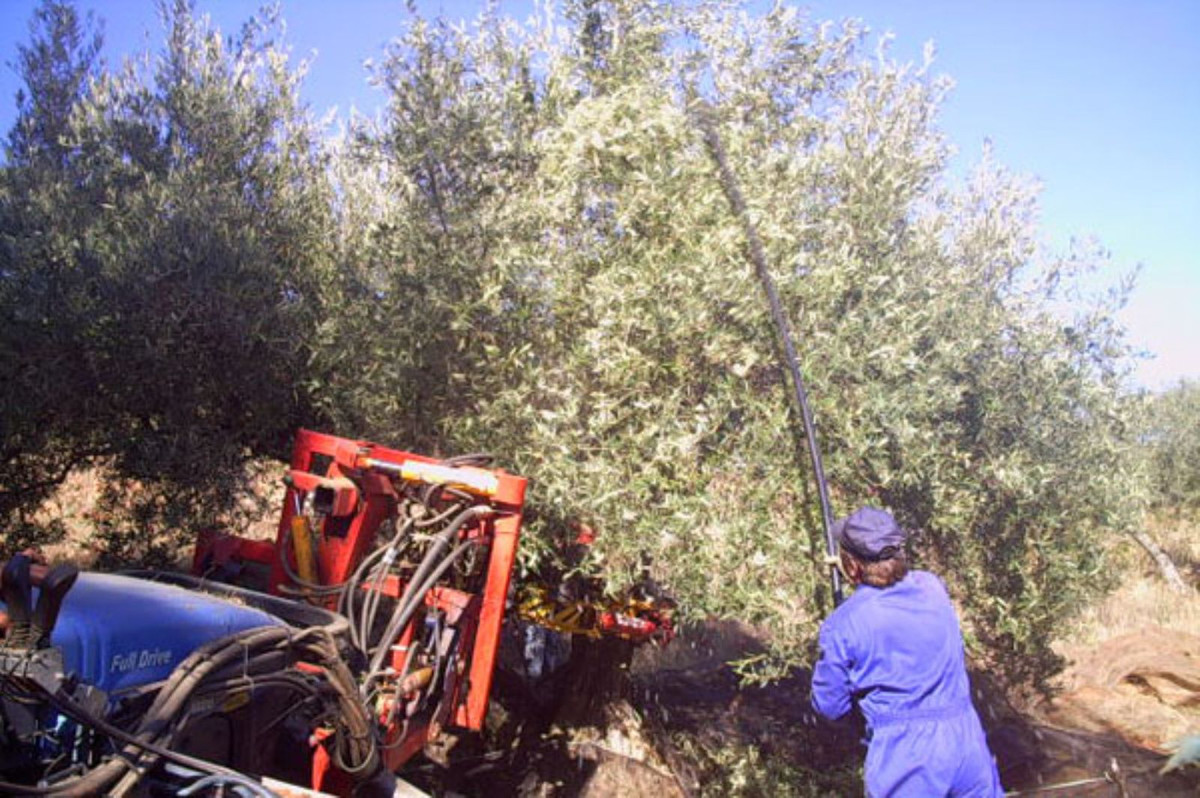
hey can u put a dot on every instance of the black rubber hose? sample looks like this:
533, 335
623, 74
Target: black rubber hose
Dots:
371, 601
729, 184
350, 591
375, 595
353, 743
437, 519
95, 781
404, 612
440, 542
233, 653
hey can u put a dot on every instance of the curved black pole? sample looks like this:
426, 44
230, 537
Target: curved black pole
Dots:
703, 117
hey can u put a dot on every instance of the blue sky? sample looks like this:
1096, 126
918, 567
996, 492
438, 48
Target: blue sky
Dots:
1099, 99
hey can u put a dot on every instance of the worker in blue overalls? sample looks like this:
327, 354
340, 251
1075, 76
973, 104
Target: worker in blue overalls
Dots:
895, 647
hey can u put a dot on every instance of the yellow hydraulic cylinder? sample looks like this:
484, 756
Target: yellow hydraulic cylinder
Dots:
302, 544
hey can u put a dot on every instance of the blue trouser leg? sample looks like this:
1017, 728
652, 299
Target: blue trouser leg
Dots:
924, 758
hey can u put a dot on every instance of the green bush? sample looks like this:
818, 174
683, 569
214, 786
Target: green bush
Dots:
1172, 437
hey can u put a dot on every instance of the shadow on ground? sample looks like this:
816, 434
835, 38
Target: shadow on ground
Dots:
692, 692
686, 727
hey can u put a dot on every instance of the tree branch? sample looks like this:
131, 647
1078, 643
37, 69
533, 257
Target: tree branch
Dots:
1165, 565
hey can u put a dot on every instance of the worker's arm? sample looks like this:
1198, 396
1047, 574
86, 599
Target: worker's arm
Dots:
831, 690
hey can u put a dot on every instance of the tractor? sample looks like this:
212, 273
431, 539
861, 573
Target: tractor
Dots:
317, 663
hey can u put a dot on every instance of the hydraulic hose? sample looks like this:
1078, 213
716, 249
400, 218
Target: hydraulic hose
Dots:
354, 748
430, 561
703, 115
349, 592
371, 605
405, 611
94, 781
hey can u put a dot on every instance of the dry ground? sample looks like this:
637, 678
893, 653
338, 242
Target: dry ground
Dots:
1131, 688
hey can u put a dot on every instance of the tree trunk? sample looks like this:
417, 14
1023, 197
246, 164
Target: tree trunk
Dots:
596, 676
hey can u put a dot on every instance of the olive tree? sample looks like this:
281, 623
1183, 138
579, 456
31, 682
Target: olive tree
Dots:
611, 342
45, 396
1172, 437
169, 263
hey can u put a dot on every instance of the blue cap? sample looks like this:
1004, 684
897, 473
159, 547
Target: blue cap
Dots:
870, 534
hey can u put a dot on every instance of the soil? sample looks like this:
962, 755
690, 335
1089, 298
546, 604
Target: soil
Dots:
1107, 732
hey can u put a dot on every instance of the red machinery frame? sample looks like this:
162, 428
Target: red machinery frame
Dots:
353, 484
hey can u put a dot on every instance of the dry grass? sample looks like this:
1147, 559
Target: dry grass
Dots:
1142, 597
80, 510
73, 506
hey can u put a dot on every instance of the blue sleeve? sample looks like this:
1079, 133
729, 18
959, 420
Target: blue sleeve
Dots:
831, 689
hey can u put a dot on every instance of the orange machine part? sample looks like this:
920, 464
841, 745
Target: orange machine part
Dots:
356, 500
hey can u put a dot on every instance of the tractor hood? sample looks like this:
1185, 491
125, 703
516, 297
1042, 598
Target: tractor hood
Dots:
120, 632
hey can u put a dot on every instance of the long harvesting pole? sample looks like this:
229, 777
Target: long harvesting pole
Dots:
729, 184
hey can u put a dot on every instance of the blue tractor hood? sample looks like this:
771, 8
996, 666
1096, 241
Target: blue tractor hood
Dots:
121, 632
